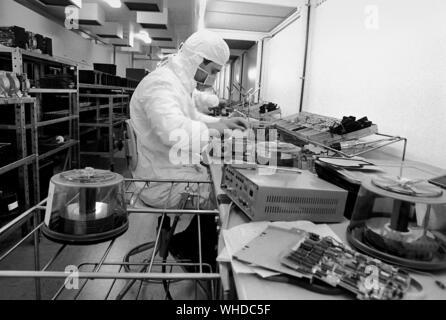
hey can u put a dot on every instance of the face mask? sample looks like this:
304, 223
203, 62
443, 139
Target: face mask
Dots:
209, 80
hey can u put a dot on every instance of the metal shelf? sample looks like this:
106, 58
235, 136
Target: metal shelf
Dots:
363, 147
45, 90
54, 121
99, 153
27, 157
103, 95
21, 60
360, 149
314, 130
106, 267
99, 87
102, 106
102, 124
66, 145
6, 101
14, 165
112, 122
38, 56
40, 123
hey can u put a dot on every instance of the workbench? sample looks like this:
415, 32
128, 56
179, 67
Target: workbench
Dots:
252, 287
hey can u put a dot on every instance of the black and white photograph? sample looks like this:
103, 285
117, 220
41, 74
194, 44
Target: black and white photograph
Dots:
223, 158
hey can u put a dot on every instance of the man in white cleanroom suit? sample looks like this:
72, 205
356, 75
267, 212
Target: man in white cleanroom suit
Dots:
165, 118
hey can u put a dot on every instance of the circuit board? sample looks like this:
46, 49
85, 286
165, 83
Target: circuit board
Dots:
306, 126
326, 259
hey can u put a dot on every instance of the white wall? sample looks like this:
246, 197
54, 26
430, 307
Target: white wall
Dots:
282, 67
250, 68
395, 75
236, 77
66, 44
222, 82
227, 80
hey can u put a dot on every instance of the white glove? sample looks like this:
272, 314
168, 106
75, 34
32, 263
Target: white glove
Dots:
204, 100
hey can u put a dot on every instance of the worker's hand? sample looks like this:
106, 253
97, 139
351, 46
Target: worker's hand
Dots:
236, 123
217, 129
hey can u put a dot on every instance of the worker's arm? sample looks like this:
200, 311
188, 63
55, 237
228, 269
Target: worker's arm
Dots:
205, 118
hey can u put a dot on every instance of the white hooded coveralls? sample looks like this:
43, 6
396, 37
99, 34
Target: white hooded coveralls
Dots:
161, 110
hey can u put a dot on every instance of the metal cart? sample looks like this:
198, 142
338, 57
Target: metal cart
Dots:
126, 274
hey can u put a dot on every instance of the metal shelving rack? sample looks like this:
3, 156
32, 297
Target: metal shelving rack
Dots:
117, 112
359, 144
23, 61
25, 157
71, 117
135, 274
103, 87
111, 107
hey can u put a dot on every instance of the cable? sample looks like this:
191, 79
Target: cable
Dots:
141, 248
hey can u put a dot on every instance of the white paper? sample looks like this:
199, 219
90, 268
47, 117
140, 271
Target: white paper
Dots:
264, 273
224, 256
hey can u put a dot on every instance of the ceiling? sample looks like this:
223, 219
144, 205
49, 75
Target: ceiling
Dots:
245, 16
170, 22
243, 22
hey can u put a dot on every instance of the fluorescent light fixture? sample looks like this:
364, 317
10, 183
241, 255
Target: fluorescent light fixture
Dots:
144, 36
201, 14
113, 3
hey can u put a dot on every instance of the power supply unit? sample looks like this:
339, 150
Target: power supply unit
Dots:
283, 195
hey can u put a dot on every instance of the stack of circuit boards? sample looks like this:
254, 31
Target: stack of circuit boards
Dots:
306, 127
333, 263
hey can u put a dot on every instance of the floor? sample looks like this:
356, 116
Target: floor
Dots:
142, 229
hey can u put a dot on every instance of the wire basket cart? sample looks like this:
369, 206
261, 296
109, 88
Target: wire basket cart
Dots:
118, 276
